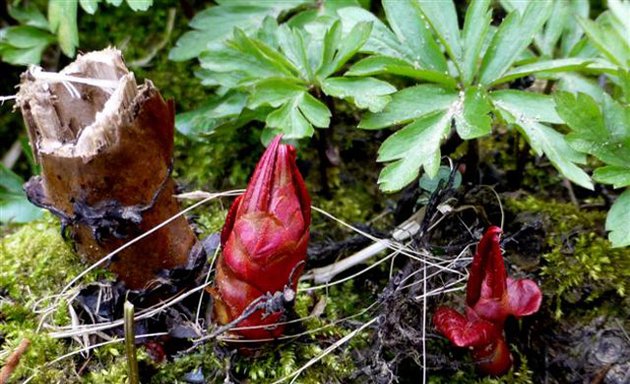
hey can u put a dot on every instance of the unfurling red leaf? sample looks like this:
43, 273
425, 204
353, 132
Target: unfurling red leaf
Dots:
461, 331
491, 297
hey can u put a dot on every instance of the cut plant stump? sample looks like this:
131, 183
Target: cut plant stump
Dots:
105, 147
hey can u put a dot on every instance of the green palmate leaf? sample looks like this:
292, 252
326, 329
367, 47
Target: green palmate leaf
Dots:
533, 105
442, 17
473, 119
382, 40
21, 56
139, 5
29, 15
513, 36
612, 43
14, 207
620, 12
548, 66
618, 176
343, 50
26, 37
547, 40
476, 26
574, 83
516, 108
89, 6
324, 9
263, 52
365, 92
410, 103
23, 44
409, 39
289, 121
376, 65
246, 59
602, 133
315, 111
62, 16
416, 145
618, 219
294, 48
331, 42
572, 30
403, 17
296, 118
217, 23
211, 115
274, 92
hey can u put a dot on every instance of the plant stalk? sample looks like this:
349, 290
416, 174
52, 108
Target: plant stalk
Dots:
130, 344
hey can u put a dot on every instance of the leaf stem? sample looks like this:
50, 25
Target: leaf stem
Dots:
130, 344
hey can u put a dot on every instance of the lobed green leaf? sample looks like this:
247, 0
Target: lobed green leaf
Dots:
513, 36
616, 175
618, 219
416, 145
364, 92
62, 16
542, 138
476, 27
376, 65
409, 104
473, 119
613, 45
559, 65
442, 17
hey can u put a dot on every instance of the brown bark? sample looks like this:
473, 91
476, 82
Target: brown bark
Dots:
106, 156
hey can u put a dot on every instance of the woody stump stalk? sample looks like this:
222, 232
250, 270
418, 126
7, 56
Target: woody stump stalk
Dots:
105, 147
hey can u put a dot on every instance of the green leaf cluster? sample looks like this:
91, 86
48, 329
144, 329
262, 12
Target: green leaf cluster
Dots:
285, 75
25, 43
288, 63
604, 132
464, 68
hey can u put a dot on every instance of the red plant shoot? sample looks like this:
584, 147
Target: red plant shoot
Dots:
491, 296
264, 242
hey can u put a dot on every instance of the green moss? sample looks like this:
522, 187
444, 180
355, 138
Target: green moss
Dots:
580, 264
211, 217
35, 263
278, 361
203, 358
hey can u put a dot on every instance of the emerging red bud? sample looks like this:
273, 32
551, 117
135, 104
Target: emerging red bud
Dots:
264, 242
491, 297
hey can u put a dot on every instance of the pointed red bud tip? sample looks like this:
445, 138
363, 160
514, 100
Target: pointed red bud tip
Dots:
491, 297
264, 241
487, 277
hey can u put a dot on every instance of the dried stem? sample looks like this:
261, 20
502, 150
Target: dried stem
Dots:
13, 360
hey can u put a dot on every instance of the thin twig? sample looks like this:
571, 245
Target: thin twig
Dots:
13, 360
7, 98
